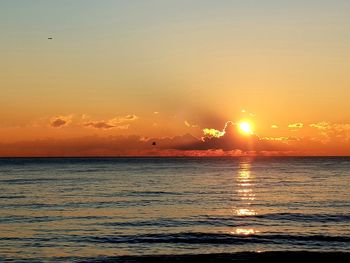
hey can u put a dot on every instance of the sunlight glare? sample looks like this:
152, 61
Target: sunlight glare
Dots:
245, 127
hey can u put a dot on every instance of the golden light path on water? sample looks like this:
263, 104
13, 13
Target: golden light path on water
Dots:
245, 191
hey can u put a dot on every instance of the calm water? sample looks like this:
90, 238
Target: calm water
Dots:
84, 208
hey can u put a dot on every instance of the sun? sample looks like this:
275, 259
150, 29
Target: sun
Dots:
245, 127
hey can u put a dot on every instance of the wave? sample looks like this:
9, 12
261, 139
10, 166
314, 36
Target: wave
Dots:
306, 217
194, 238
215, 238
148, 193
231, 221
298, 217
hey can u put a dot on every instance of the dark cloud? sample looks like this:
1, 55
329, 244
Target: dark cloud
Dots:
58, 122
117, 122
230, 142
96, 146
231, 139
99, 125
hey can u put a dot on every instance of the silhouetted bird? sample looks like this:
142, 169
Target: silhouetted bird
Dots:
154, 143
50, 38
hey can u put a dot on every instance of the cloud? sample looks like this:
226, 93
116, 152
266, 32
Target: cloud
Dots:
321, 125
230, 138
244, 111
99, 125
337, 127
60, 121
130, 117
274, 126
232, 143
114, 123
99, 146
334, 140
295, 126
123, 127
190, 125
342, 128
212, 133
276, 138
331, 131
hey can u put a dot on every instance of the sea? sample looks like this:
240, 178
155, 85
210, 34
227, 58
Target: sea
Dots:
76, 209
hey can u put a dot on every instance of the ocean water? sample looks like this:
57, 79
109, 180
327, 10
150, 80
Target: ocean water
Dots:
80, 208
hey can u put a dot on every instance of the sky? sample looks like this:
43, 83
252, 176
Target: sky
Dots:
119, 75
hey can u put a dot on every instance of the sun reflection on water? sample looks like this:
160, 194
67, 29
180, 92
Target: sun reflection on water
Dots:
245, 231
245, 212
245, 192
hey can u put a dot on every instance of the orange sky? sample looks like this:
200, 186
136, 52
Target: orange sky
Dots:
119, 75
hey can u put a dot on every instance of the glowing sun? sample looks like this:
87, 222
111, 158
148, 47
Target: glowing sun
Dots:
245, 127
